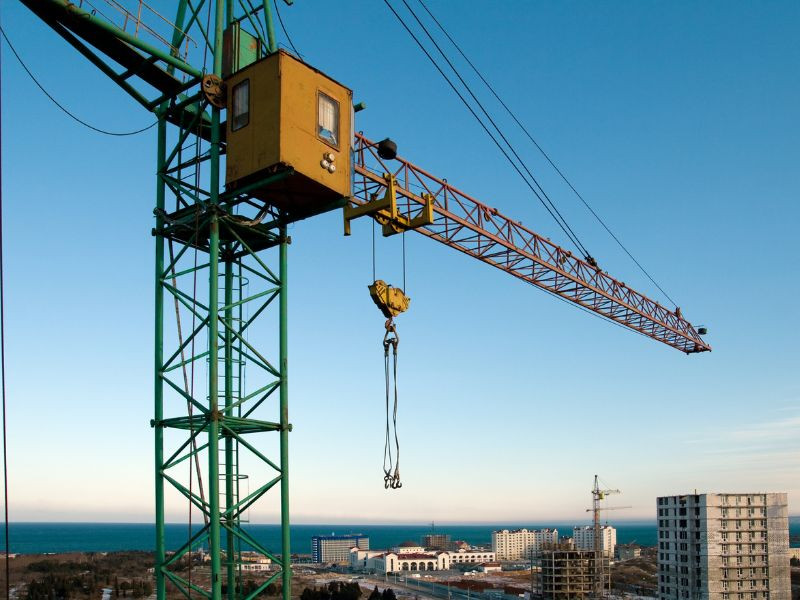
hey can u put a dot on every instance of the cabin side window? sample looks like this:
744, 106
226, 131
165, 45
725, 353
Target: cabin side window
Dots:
240, 116
328, 119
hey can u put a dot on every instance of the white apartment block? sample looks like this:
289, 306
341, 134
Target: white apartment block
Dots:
583, 539
723, 547
521, 543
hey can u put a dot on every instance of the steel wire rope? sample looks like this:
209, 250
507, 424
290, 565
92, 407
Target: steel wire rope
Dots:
552, 211
188, 387
61, 106
463, 100
494, 124
391, 474
197, 177
285, 32
397, 483
260, 33
542, 151
387, 447
3, 387
405, 289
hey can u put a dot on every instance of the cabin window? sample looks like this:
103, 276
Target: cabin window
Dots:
240, 116
328, 119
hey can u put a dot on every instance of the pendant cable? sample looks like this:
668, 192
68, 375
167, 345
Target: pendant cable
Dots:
3, 387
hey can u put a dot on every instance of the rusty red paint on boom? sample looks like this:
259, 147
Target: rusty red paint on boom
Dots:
468, 225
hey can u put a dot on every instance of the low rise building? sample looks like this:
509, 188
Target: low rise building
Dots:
408, 547
255, 562
395, 562
359, 559
471, 557
522, 543
490, 567
255, 567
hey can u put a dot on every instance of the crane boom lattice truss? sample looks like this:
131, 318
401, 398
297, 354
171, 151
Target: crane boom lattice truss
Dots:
474, 228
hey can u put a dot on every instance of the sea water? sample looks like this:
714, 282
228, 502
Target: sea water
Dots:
38, 538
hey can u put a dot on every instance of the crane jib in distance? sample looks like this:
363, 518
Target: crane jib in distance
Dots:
221, 253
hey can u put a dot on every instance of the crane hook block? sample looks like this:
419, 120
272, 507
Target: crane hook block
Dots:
390, 300
385, 210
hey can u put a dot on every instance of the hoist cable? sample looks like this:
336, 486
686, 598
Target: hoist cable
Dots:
481, 123
391, 469
61, 106
542, 151
286, 33
373, 250
405, 289
397, 483
387, 447
564, 227
3, 388
492, 121
258, 25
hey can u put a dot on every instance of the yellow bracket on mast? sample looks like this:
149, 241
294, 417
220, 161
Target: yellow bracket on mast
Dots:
384, 211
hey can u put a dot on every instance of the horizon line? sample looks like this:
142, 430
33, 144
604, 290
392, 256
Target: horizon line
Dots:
356, 522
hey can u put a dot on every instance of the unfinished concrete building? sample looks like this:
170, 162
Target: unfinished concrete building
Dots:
723, 547
570, 574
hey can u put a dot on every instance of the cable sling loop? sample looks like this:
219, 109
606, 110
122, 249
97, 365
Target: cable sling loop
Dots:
391, 469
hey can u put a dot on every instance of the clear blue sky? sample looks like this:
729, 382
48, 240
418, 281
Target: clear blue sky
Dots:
677, 120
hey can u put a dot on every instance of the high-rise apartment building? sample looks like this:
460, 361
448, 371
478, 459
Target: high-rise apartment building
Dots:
522, 543
584, 539
723, 547
336, 548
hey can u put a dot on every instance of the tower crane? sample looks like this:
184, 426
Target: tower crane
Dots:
250, 139
598, 495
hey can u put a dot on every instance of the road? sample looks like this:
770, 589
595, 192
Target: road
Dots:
422, 588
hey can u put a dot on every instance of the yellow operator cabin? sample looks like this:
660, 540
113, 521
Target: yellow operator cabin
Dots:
290, 126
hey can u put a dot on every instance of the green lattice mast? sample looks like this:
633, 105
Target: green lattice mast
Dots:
221, 263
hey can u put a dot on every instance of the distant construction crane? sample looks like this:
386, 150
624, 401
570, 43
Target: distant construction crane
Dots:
249, 140
598, 495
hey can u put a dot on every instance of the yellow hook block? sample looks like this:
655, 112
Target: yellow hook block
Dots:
390, 300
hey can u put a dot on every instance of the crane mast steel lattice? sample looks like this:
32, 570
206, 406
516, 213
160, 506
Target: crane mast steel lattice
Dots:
221, 269
601, 577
